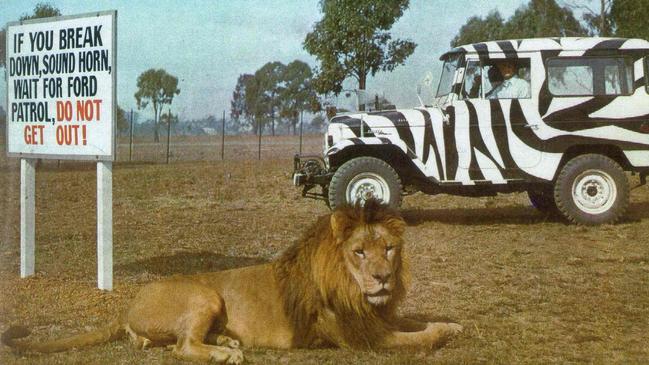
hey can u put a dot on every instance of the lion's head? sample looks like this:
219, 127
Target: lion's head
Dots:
369, 243
349, 263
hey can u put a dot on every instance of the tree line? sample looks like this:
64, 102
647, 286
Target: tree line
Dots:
550, 18
352, 41
276, 94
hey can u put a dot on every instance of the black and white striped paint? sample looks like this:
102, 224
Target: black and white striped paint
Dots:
477, 141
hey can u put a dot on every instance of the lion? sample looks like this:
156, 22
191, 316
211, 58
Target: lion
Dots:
339, 285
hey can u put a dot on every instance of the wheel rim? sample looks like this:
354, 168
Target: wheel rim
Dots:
367, 185
594, 191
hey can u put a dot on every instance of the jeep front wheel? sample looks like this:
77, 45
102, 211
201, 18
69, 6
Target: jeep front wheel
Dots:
362, 178
592, 189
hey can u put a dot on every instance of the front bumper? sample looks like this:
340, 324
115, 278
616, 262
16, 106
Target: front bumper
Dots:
309, 172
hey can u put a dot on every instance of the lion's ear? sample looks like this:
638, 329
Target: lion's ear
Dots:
396, 225
340, 223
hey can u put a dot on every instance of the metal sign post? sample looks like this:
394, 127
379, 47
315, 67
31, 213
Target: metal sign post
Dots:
27, 216
105, 225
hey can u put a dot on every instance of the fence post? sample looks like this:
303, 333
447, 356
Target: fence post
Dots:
259, 145
168, 132
223, 137
130, 142
301, 121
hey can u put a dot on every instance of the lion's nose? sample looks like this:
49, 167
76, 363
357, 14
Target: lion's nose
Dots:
382, 277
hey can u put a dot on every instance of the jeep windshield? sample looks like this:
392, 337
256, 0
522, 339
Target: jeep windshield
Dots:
448, 72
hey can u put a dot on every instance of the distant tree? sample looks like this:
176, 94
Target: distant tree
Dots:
3, 122
478, 29
41, 10
121, 123
158, 88
629, 18
538, 18
3, 43
353, 40
168, 117
597, 19
543, 18
298, 94
276, 92
318, 122
240, 114
263, 92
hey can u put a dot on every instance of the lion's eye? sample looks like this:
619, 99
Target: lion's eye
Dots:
359, 252
389, 248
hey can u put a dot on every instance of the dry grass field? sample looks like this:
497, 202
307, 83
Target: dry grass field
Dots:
528, 289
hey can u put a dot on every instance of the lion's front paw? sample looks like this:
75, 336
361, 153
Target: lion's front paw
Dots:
456, 328
236, 357
444, 331
226, 355
222, 340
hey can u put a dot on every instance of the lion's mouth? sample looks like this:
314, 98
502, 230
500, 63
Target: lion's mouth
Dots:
378, 298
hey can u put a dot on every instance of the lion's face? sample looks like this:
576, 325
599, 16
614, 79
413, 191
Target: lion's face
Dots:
372, 255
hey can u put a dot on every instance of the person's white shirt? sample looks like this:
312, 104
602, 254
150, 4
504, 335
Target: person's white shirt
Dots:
512, 88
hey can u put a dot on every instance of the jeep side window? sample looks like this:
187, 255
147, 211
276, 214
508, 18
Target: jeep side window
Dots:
590, 76
471, 88
507, 79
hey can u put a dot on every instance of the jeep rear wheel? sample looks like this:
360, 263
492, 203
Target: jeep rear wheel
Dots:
363, 178
592, 189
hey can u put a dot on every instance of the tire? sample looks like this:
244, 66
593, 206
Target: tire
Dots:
364, 176
592, 189
542, 198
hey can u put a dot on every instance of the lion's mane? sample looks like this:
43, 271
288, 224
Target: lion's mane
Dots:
314, 281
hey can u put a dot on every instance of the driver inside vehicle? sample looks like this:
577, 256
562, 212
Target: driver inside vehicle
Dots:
513, 85
495, 78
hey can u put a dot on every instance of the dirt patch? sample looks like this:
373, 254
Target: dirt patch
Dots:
528, 288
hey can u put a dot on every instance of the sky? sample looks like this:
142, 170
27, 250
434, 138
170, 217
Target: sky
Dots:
207, 44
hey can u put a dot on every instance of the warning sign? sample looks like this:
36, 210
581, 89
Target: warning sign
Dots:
61, 87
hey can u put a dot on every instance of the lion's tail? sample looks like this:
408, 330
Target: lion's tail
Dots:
111, 332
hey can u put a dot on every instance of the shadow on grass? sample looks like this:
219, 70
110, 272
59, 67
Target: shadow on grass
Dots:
186, 263
479, 216
505, 215
637, 212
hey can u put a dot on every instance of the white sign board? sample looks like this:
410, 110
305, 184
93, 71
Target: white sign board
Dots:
61, 93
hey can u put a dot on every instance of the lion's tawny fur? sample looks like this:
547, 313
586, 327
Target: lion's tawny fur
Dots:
339, 284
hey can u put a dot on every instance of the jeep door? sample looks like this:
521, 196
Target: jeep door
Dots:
491, 112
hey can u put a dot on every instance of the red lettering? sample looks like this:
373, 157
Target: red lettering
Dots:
28, 135
67, 134
34, 134
40, 132
59, 135
88, 110
75, 128
63, 111
97, 103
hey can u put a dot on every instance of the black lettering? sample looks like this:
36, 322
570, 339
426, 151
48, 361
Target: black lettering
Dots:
41, 40
96, 60
24, 66
26, 88
97, 36
80, 37
59, 63
82, 86
28, 111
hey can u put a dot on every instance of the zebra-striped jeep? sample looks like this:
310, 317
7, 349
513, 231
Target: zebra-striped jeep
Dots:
559, 118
